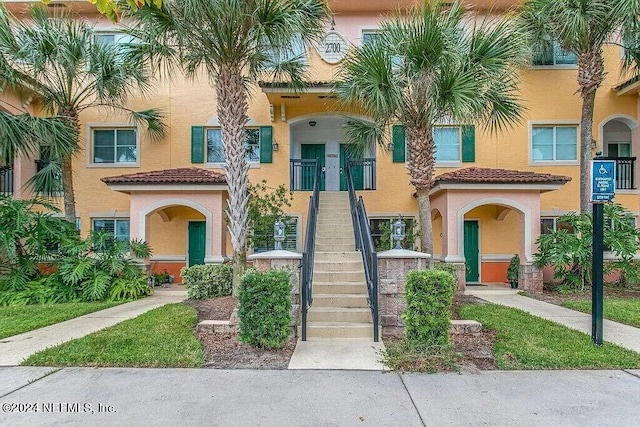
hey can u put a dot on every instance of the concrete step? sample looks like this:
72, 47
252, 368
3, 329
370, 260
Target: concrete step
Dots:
339, 256
327, 266
339, 330
339, 288
338, 276
331, 314
340, 301
328, 247
337, 240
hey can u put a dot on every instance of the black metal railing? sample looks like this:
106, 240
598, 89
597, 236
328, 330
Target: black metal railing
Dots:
309, 248
363, 173
625, 172
303, 174
6, 180
364, 243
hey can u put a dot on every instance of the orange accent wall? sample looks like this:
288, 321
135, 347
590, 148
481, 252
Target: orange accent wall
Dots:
172, 267
494, 271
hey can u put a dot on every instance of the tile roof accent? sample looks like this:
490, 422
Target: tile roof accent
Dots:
169, 176
498, 176
627, 83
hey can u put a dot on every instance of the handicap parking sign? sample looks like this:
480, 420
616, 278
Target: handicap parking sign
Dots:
603, 180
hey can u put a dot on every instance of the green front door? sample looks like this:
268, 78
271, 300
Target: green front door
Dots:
357, 171
472, 251
312, 152
197, 238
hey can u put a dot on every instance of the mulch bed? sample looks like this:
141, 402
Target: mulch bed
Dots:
225, 351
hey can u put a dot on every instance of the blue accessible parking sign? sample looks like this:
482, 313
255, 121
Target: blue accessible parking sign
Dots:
603, 180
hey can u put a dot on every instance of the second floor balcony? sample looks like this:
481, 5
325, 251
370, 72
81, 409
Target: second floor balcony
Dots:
625, 172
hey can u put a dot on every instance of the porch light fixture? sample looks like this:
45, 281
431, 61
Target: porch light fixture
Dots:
398, 231
312, 123
275, 146
278, 234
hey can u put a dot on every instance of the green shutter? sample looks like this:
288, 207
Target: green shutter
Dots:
398, 140
197, 144
469, 143
266, 144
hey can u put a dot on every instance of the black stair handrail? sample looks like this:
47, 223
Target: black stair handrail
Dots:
309, 251
364, 243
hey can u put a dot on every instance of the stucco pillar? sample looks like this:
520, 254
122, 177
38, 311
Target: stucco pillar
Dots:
530, 279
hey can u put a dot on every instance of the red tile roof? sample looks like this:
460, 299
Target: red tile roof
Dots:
169, 176
499, 176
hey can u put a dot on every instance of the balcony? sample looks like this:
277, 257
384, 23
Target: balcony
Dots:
625, 172
6, 180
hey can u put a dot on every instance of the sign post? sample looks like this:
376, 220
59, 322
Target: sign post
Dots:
603, 186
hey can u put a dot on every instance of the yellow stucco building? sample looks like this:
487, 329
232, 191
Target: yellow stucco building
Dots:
494, 195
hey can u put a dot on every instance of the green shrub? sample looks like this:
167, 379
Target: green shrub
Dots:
264, 311
207, 281
446, 266
429, 297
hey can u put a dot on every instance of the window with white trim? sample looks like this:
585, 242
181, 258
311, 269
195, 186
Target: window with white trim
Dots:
554, 143
215, 153
114, 146
295, 51
118, 227
370, 36
382, 236
552, 223
552, 55
447, 141
263, 242
112, 37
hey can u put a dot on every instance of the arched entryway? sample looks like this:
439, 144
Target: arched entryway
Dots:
617, 144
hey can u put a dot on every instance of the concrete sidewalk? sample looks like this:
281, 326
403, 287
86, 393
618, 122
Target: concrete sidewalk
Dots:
623, 335
15, 349
110, 396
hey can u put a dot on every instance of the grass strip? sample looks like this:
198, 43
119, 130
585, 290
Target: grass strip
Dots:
16, 320
623, 310
527, 342
163, 337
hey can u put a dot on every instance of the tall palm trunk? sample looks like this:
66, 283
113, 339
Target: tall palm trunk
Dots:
232, 108
66, 165
590, 76
420, 146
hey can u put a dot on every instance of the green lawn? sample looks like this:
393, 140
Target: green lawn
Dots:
163, 337
528, 342
16, 320
623, 310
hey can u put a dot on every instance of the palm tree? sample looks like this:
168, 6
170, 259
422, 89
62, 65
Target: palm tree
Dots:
69, 70
433, 65
235, 43
583, 28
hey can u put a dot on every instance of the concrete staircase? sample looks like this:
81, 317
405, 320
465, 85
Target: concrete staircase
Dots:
340, 309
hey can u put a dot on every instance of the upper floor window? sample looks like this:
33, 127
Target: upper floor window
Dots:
447, 141
553, 55
215, 153
370, 36
112, 38
554, 143
295, 51
114, 146
119, 228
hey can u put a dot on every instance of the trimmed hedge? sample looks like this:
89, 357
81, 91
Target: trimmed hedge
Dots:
264, 301
429, 297
207, 281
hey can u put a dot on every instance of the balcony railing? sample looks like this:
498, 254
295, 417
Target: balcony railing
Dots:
303, 174
625, 172
6, 180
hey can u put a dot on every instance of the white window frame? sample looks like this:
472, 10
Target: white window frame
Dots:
441, 163
93, 220
219, 165
90, 127
554, 123
554, 66
366, 29
118, 35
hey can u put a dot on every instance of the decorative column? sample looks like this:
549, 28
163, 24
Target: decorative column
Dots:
530, 278
393, 267
283, 260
